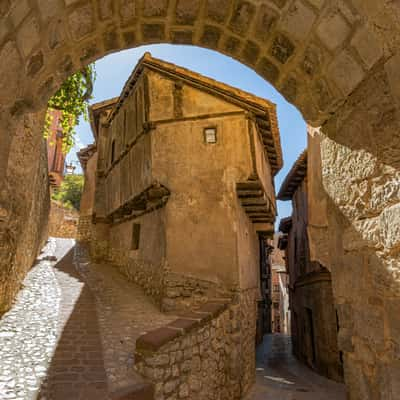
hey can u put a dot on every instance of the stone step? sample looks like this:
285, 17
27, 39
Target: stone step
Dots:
138, 391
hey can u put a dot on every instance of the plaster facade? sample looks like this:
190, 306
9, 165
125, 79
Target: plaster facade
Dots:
182, 216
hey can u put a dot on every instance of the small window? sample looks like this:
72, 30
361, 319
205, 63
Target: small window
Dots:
135, 236
112, 151
210, 135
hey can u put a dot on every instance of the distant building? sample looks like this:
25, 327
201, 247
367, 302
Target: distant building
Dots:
314, 324
55, 155
180, 192
280, 316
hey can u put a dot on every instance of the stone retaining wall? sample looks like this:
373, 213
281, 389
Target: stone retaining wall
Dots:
205, 354
63, 222
170, 290
182, 292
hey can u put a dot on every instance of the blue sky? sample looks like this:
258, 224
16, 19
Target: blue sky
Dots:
114, 70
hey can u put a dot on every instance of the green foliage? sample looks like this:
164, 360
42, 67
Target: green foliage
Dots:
70, 191
72, 99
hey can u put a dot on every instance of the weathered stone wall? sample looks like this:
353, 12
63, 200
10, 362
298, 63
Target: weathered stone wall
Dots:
23, 216
63, 222
84, 229
315, 294
206, 354
362, 188
182, 291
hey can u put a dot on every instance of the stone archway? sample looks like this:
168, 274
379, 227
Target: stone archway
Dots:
335, 60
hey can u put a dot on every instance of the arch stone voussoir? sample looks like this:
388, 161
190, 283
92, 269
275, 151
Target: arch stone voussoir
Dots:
335, 60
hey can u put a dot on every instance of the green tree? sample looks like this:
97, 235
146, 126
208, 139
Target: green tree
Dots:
72, 99
70, 192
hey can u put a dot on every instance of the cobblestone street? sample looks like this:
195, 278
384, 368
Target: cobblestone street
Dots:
72, 330
28, 332
280, 376
62, 340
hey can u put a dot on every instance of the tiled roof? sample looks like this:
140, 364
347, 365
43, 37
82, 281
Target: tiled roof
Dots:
263, 110
294, 178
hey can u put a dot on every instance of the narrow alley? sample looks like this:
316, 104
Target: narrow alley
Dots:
77, 339
279, 375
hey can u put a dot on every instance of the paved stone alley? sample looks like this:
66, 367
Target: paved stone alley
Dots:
28, 332
62, 340
280, 376
72, 331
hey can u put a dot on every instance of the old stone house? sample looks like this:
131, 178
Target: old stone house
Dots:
314, 322
179, 191
183, 191
280, 315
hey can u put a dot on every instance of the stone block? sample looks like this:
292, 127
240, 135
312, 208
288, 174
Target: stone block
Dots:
49, 8
218, 11
393, 76
138, 391
184, 325
268, 70
298, 21
28, 36
71, 2
89, 52
153, 32
390, 227
4, 31
210, 36
56, 35
158, 360
232, 45
242, 16
265, 22
186, 11
19, 10
282, 48
333, 30
155, 8
313, 60
182, 37
367, 46
346, 72
81, 22
250, 53
317, 3
153, 340
289, 89
4, 7
128, 11
280, 3
129, 38
35, 64
106, 9
8, 83
322, 94
111, 39
213, 308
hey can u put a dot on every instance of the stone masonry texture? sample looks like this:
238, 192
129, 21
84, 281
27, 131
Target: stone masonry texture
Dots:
337, 61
